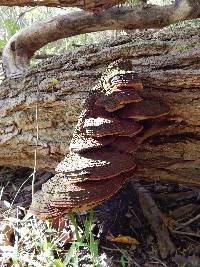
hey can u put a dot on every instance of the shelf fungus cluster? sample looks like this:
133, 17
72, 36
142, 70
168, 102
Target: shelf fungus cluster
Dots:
103, 147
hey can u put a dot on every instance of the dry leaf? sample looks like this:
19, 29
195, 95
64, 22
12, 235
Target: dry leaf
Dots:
123, 239
168, 221
5, 235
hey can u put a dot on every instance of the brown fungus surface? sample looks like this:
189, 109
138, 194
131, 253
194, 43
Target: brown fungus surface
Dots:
95, 165
129, 79
64, 193
118, 98
81, 142
40, 207
96, 122
147, 109
105, 125
126, 144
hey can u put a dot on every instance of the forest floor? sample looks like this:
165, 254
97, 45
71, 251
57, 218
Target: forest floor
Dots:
146, 224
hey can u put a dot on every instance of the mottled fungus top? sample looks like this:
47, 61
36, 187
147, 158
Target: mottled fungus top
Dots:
147, 109
81, 142
95, 165
128, 79
99, 123
117, 98
59, 196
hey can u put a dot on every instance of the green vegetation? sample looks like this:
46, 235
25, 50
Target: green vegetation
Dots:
38, 243
134, 2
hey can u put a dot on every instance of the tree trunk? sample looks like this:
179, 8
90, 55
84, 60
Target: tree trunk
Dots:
168, 64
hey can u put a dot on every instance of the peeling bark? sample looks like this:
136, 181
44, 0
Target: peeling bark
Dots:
90, 5
22, 46
168, 63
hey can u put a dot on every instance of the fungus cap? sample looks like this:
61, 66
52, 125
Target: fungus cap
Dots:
40, 207
95, 165
128, 79
80, 142
105, 125
147, 109
125, 144
66, 194
43, 209
117, 98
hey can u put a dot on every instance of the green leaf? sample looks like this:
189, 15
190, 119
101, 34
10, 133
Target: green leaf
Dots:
94, 248
71, 254
54, 81
134, 2
74, 222
58, 263
87, 229
122, 261
47, 245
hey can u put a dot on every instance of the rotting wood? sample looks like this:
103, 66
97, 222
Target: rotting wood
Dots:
168, 64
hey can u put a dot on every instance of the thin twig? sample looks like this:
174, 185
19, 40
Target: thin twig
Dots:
188, 222
19, 191
122, 252
183, 233
24, 12
159, 261
37, 138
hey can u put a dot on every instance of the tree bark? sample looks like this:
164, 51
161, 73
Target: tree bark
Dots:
22, 45
90, 5
168, 63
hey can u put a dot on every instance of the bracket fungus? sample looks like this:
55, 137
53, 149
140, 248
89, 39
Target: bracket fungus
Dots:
118, 98
99, 123
119, 90
103, 146
73, 195
105, 126
125, 144
81, 142
147, 109
95, 164
41, 208
67, 196
127, 79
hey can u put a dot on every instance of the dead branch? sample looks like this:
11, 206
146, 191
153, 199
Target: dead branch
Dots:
90, 5
153, 215
21, 47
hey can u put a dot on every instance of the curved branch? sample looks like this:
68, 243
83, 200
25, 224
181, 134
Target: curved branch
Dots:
21, 47
90, 5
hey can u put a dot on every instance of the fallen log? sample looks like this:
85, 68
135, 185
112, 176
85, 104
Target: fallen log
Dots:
167, 61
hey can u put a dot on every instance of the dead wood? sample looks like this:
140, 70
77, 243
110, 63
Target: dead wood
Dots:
22, 45
91, 5
184, 211
168, 64
154, 217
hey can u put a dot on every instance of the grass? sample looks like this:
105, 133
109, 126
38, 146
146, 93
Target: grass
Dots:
85, 240
38, 243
